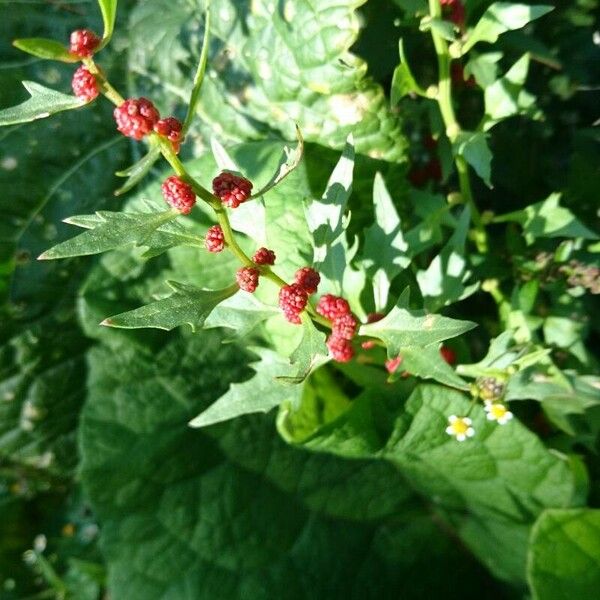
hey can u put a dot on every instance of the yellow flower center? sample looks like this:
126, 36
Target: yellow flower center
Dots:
498, 411
459, 427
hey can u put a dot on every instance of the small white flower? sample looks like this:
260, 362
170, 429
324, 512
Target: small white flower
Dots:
497, 412
460, 428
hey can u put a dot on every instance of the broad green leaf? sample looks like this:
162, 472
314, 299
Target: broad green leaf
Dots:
108, 8
242, 313
564, 555
136, 172
443, 282
385, 253
547, 219
427, 363
484, 67
474, 148
506, 97
443, 28
404, 327
221, 156
499, 18
47, 49
310, 354
261, 393
403, 81
113, 230
187, 305
43, 103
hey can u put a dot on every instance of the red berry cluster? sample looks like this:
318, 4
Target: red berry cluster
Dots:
84, 43
178, 194
136, 117
170, 128
343, 326
293, 298
84, 84
231, 189
214, 240
247, 279
264, 256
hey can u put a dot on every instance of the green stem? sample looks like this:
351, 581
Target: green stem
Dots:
105, 87
444, 99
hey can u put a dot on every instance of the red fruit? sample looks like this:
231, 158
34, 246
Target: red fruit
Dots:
264, 256
231, 189
178, 194
308, 279
455, 11
448, 355
247, 279
136, 117
83, 43
332, 307
214, 240
341, 349
84, 84
292, 300
392, 364
344, 326
171, 129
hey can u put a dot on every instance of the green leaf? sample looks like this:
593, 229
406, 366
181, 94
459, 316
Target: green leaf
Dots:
43, 103
547, 219
108, 8
427, 363
386, 252
484, 68
506, 96
403, 81
113, 230
474, 148
442, 27
47, 49
564, 555
260, 394
136, 172
310, 354
403, 327
443, 282
188, 305
501, 17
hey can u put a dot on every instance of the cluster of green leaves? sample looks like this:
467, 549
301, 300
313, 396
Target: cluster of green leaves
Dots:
349, 485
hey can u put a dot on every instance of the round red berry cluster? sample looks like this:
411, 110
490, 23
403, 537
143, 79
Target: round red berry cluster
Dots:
214, 240
170, 128
264, 256
136, 117
84, 84
178, 194
455, 11
293, 298
231, 189
247, 279
84, 43
343, 326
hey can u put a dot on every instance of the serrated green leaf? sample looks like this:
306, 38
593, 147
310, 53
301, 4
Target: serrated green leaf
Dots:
403, 327
260, 394
188, 305
310, 354
501, 17
386, 252
403, 81
564, 555
47, 49
43, 103
474, 148
108, 8
547, 219
114, 230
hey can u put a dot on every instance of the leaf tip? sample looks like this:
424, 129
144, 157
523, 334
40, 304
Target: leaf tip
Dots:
107, 323
44, 256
